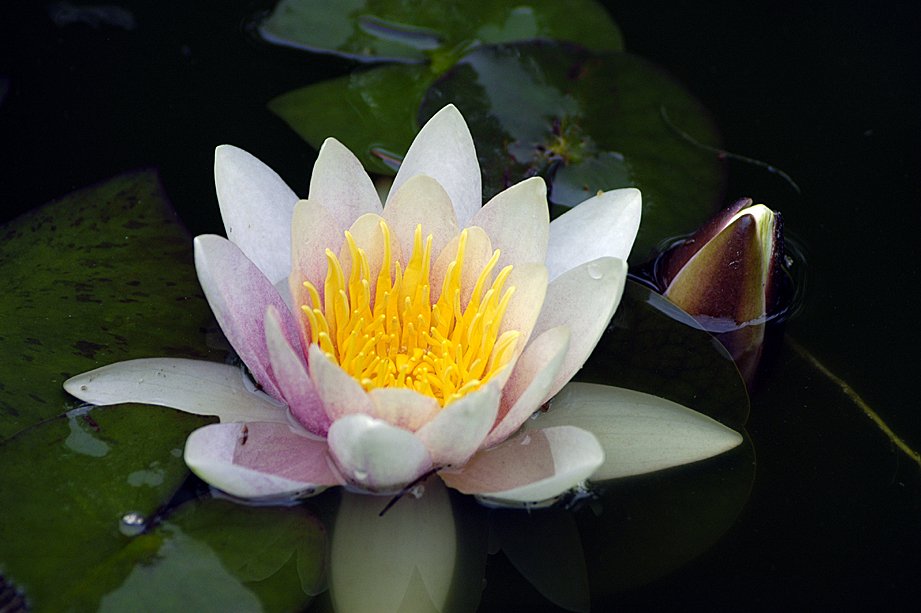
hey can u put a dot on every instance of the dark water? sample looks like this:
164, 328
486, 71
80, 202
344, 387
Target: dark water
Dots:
827, 92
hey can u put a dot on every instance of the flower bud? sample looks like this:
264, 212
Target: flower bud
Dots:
729, 276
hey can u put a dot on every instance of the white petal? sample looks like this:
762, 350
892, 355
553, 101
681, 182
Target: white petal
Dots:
640, 433
341, 185
421, 200
259, 460
584, 299
444, 150
396, 561
376, 456
340, 392
534, 374
533, 467
602, 226
517, 221
256, 206
456, 433
193, 386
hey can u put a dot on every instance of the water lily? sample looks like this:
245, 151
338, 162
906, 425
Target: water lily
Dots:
389, 343
729, 277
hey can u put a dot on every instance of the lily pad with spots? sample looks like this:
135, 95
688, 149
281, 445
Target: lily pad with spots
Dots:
101, 275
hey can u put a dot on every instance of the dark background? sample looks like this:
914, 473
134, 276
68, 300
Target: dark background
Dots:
827, 92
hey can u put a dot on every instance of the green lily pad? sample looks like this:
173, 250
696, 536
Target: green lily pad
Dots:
102, 275
416, 31
65, 487
586, 122
652, 346
67, 545
372, 112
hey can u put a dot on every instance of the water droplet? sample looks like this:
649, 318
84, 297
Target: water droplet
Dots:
132, 524
595, 270
416, 491
361, 475
525, 440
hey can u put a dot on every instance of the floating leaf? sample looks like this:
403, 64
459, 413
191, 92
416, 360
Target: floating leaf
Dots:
102, 275
372, 112
586, 122
415, 31
652, 346
65, 487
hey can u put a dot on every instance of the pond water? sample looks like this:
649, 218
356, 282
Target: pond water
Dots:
826, 93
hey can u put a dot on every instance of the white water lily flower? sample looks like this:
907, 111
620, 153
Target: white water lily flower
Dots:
398, 341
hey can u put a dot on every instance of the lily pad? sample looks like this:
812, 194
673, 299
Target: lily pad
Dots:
416, 31
587, 122
102, 275
86, 535
372, 112
652, 346
65, 488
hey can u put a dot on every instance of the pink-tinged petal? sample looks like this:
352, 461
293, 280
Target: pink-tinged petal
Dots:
341, 185
403, 408
239, 295
193, 386
290, 370
401, 559
584, 299
256, 206
639, 433
340, 392
376, 456
259, 460
456, 433
366, 232
444, 150
519, 211
602, 226
530, 382
530, 283
477, 252
421, 200
535, 466
313, 231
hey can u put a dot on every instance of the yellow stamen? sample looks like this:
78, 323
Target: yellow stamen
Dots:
395, 337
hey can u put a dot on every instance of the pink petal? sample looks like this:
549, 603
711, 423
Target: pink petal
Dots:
517, 221
259, 460
290, 370
420, 200
602, 226
456, 433
239, 295
366, 232
256, 206
340, 392
341, 185
524, 309
376, 456
535, 466
444, 150
477, 252
313, 231
403, 408
530, 382
584, 299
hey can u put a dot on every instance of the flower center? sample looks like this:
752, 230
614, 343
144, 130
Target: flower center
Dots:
398, 337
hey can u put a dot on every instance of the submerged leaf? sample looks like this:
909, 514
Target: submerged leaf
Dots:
587, 122
414, 31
